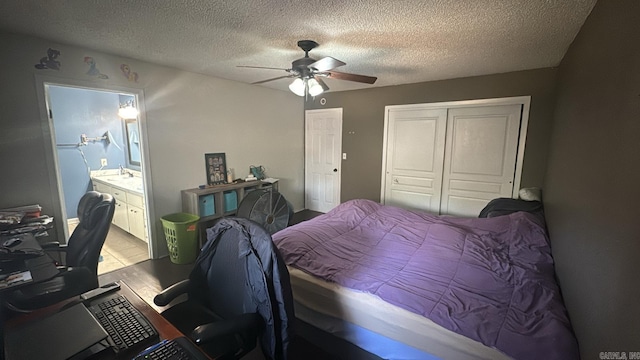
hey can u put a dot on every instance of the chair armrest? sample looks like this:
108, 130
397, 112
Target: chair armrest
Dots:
79, 276
244, 322
56, 251
167, 295
53, 245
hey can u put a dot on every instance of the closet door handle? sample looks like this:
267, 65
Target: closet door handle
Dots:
335, 170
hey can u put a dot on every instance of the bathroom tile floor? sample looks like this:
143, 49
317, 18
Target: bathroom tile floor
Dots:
120, 249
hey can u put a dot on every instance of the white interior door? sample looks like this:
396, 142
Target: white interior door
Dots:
480, 157
414, 156
323, 146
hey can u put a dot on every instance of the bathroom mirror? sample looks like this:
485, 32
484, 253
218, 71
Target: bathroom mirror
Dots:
133, 141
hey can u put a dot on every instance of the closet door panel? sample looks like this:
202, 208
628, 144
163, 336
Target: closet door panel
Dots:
414, 158
480, 157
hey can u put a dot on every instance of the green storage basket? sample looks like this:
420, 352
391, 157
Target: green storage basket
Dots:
181, 232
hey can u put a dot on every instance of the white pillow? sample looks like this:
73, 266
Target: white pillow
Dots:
530, 194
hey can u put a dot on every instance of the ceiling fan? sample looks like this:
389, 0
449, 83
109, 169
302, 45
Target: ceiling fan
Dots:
309, 72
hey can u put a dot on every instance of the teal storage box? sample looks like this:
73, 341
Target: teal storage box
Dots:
230, 201
207, 205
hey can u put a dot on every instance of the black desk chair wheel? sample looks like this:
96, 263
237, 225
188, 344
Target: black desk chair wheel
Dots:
78, 259
238, 292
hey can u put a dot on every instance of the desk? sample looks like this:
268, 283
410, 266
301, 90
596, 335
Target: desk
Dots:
42, 267
165, 329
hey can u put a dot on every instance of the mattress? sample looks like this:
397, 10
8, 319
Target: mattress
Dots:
325, 305
489, 280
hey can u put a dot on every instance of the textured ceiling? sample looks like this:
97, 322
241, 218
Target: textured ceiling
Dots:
398, 41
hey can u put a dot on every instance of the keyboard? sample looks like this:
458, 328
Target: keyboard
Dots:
177, 349
126, 326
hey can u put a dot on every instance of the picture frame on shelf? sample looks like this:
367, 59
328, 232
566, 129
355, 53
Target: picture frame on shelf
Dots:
216, 168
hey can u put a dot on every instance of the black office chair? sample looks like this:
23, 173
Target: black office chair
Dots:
238, 291
78, 260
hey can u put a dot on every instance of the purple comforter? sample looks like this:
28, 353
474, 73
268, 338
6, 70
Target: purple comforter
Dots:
491, 280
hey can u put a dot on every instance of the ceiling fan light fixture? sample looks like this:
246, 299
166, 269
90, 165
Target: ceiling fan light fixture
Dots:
308, 72
314, 87
297, 87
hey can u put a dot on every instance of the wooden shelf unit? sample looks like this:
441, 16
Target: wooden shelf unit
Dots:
192, 199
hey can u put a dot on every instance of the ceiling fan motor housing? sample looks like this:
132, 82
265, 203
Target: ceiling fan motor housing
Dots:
301, 66
307, 68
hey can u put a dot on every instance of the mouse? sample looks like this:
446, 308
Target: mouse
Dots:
12, 242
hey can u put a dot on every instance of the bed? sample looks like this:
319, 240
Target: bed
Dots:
409, 285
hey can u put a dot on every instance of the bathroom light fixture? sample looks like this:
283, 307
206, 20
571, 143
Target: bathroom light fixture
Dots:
128, 110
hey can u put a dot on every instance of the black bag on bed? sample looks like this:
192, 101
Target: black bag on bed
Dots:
506, 206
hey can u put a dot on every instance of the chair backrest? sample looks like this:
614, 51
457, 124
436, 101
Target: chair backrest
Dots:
238, 271
95, 211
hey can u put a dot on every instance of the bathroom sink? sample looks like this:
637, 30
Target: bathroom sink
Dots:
123, 181
121, 178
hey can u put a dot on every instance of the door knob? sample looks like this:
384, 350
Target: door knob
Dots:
335, 170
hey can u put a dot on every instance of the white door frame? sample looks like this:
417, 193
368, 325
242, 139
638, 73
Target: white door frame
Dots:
51, 156
307, 178
525, 101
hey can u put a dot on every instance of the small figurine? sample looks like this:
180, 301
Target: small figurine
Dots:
49, 62
130, 75
93, 70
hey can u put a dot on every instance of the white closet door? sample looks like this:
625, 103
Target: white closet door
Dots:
414, 158
480, 157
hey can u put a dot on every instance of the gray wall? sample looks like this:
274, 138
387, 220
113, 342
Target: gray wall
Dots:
363, 121
186, 115
592, 187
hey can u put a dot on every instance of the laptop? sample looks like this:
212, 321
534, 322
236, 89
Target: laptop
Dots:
63, 335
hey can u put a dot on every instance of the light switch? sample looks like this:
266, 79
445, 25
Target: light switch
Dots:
344, 156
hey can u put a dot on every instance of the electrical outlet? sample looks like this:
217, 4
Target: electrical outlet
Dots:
103, 162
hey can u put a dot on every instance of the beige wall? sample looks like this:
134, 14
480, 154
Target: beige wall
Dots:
363, 121
187, 115
591, 189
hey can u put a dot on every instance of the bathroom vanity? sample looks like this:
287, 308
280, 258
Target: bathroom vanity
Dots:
128, 190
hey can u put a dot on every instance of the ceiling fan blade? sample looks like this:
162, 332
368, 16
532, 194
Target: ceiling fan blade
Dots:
261, 67
322, 83
326, 63
351, 77
276, 78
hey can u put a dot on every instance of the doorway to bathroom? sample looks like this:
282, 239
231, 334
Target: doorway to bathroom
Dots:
97, 141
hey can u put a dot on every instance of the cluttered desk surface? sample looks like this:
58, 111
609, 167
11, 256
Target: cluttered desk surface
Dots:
26, 219
76, 331
74, 328
22, 261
